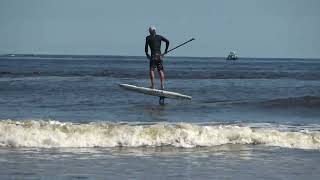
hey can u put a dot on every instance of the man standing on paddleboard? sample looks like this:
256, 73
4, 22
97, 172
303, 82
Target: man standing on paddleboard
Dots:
154, 42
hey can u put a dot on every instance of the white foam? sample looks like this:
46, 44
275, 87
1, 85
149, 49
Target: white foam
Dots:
48, 134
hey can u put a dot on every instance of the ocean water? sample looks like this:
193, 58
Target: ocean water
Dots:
65, 117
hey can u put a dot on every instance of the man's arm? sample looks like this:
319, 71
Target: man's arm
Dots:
167, 43
146, 49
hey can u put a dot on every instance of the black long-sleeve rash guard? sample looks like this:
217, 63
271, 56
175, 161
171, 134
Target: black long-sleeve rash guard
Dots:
154, 42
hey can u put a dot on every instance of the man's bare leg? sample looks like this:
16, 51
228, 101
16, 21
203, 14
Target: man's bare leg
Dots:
152, 78
161, 74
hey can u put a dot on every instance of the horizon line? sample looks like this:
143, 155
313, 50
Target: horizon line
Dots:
108, 55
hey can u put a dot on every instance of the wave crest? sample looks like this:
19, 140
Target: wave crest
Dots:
47, 134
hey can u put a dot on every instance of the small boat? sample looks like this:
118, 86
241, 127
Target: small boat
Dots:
232, 56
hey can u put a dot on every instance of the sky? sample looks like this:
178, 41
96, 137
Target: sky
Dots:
251, 28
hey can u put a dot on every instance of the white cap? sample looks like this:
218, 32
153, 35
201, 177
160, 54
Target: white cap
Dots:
152, 28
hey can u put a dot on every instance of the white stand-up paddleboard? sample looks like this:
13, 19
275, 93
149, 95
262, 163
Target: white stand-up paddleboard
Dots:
155, 92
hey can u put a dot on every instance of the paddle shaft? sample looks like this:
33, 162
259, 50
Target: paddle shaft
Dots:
179, 45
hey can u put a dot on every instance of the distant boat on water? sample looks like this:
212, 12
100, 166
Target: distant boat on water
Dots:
232, 56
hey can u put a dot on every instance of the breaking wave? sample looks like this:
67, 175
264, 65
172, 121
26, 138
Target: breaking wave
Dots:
47, 134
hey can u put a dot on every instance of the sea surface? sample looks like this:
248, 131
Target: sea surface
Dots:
65, 117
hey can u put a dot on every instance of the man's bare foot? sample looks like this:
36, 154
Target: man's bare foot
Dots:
162, 87
151, 87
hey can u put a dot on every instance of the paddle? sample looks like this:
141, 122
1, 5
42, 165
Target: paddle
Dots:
178, 46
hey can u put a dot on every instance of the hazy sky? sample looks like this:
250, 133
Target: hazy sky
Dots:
255, 28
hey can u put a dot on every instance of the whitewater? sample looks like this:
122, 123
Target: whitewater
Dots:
47, 134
